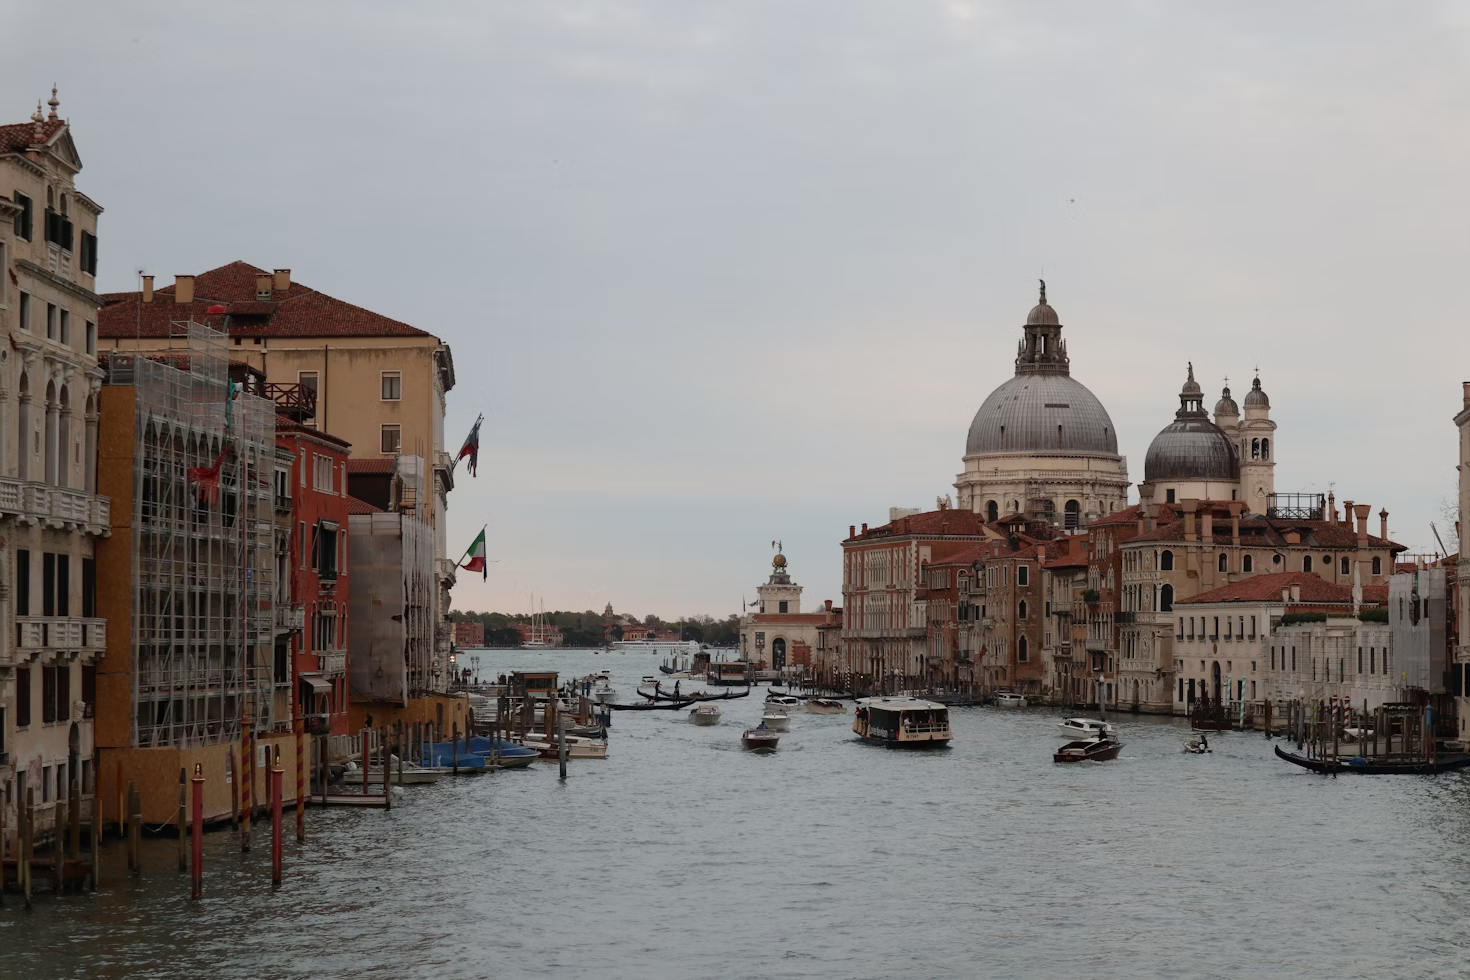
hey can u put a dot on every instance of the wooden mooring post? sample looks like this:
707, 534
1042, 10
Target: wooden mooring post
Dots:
276, 819
300, 727
183, 803
196, 828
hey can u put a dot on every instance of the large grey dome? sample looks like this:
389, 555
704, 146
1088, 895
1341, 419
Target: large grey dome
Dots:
1191, 447
1042, 412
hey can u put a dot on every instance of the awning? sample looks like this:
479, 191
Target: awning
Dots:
318, 684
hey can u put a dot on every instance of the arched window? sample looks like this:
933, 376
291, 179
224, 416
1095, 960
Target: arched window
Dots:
1166, 599
1265, 448
1377, 566
1223, 563
1166, 561
1021, 648
992, 511
1306, 563
1072, 514
1247, 564
1255, 449
1021, 610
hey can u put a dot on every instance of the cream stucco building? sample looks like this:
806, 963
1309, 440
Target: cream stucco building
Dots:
1041, 443
50, 514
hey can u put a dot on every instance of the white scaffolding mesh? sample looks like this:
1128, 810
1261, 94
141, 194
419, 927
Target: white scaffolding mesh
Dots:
202, 569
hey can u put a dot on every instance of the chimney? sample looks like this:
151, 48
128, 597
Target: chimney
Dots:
263, 286
1235, 508
1207, 529
183, 289
1189, 525
865, 528
1383, 524
1347, 514
147, 289
1296, 592
282, 280
1362, 511
1285, 596
1332, 507
852, 530
1467, 393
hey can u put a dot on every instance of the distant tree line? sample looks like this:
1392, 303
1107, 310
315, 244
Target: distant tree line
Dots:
584, 629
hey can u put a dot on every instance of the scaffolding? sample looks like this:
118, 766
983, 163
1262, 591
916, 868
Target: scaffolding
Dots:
203, 571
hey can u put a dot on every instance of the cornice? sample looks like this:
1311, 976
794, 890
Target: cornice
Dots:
86, 202
25, 162
46, 275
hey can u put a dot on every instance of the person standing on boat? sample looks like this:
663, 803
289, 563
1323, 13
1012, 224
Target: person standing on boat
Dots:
676, 689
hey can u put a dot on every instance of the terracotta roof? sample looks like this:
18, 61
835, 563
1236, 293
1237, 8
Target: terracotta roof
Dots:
298, 311
1270, 532
967, 557
383, 464
1315, 590
285, 425
1128, 515
355, 506
928, 524
15, 137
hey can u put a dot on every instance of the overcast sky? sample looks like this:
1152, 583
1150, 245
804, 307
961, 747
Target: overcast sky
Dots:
719, 274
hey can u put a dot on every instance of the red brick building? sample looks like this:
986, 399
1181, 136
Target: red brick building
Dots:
317, 570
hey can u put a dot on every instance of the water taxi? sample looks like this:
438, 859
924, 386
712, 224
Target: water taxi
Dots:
826, 706
1009, 699
1086, 727
760, 739
907, 722
776, 719
705, 714
1100, 748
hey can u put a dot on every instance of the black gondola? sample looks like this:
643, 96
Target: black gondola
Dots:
1444, 763
649, 706
702, 697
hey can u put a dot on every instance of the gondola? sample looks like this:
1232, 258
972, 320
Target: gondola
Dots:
1444, 763
703, 697
665, 668
1099, 749
649, 706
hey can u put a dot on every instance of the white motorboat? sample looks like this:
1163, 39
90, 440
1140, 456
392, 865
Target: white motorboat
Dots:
604, 691
577, 747
412, 775
826, 706
776, 719
783, 701
1009, 699
1086, 727
705, 714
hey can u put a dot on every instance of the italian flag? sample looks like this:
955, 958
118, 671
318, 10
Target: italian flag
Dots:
476, 556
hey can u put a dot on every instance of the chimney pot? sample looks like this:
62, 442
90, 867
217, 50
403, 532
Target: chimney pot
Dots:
1296, 593
282, 280
852, 530
147, 289
1285, 596
1361, 511
1383, 524
183, 289
1347, 514
263, 285
865, 528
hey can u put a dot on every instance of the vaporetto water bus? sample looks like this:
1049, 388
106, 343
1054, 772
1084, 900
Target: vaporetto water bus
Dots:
905, 722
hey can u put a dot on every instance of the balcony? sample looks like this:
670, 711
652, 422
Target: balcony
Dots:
1063, 608
1097, 644
332, 663
59, 633
289, 618
58, 507
1122, 618
295, 401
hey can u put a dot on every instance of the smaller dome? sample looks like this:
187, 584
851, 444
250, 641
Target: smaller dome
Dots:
1256, 398
1191, 387
1042, 315
779, 561
1226, 405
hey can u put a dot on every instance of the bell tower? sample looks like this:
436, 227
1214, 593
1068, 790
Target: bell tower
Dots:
1257, 440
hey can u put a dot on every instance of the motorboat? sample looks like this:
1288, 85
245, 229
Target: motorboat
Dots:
760, 739
410, 775
1198, 746
577, 747
783, 701
507, 754
604, 692
825, 706
1009, 699
705, 714
775, 719
905, 722
1100, 748
1086, 727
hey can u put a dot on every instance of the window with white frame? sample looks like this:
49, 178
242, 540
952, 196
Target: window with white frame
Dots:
392, 386
390, 439
322, 471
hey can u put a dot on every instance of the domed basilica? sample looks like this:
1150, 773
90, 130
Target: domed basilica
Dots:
1230, 458
1042, 444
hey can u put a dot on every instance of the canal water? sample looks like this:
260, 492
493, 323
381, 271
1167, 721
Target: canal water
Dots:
682, 856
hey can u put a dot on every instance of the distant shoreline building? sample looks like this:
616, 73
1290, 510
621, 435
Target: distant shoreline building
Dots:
778, 633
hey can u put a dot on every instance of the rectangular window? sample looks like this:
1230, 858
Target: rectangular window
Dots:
23, 221
65, 336
22, 582
89, 253
89, 690
390, 439
63, 585
392, 386
316, 543
50, 321
1169, 496
48, 584
48, 694
782, 606
23, 315
302, 550
22, 696
91, 337
322, 473
327, 549
63, 692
